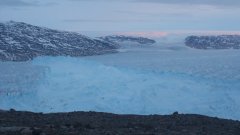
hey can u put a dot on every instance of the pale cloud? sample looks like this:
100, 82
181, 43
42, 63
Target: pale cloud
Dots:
104, 20
125, 15
17, 3
235, 3
26, 3
197, 2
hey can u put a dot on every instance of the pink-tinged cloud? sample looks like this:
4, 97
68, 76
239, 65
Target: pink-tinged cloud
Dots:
205, 32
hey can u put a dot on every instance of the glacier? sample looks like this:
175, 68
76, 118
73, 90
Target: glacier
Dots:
153, 80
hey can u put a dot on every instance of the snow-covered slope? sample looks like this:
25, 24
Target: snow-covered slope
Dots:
20, 42
214, 42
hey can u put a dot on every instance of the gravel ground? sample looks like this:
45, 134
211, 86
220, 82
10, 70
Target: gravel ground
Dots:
92, 123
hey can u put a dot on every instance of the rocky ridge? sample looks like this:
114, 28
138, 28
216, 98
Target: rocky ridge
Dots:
122, 38
213, 42
21, 42
92, 123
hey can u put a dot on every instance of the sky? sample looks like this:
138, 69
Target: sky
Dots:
133, 16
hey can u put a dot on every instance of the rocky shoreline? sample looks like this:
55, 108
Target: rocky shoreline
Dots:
92, 123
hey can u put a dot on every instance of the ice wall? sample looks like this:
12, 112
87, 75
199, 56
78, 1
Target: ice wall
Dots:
73, 84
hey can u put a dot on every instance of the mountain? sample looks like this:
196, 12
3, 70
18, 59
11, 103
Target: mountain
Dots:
121, 38
214, 42
21, 42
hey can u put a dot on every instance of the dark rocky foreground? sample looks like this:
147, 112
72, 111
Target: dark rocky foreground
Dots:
92, 123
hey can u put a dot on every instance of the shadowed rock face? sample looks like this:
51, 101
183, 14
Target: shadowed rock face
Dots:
22, 42
91, 123
214, 42
121, 38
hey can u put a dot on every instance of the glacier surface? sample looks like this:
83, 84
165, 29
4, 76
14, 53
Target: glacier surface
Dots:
137, 81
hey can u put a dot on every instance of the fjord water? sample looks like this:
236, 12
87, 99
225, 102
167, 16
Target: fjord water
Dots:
139, 80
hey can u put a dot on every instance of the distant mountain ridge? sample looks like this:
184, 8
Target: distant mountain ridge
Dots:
122, 38
213, 42
21, 42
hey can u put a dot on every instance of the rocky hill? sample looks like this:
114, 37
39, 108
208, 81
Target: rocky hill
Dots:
214, 42
21, 42
92, 123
